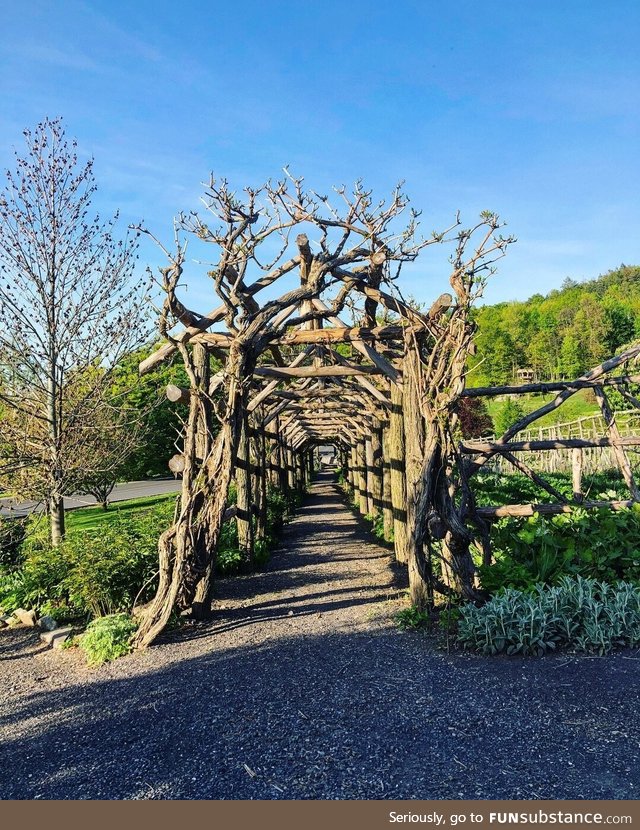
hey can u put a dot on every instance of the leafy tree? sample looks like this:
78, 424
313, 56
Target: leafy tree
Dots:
69, 311
510, 412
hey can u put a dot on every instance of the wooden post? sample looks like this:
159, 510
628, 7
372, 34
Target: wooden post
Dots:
361, 471
415, 454
243, 486
291, 468
387, 504
376, 469
369, 474
259, 467
576, 474
397, 474
353, 471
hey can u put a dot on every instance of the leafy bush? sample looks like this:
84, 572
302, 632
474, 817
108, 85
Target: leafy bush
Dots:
412, 617
582, 614
90, 573
12, 535
107, 638
599, 544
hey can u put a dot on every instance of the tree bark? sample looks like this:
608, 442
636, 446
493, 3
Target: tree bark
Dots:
397, 475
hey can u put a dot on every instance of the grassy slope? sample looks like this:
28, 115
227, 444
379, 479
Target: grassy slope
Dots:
580, 404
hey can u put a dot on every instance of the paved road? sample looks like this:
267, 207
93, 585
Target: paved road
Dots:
121, 492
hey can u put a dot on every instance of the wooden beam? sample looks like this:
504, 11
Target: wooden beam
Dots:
492, 447
549, 509
314, 371
270, 387
365, 349
557, 386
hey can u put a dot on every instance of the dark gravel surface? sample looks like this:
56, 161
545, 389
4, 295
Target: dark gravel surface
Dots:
303, 688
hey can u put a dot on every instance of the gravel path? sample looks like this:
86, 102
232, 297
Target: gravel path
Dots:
303, 688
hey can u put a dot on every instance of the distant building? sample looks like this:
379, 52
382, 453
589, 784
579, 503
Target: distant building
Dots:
525, 375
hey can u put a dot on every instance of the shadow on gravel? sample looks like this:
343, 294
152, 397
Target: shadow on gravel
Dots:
345, 715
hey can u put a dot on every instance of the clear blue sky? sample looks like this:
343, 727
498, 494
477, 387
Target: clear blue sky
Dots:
530, 109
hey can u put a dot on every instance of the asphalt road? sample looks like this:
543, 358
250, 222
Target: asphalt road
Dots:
121, 492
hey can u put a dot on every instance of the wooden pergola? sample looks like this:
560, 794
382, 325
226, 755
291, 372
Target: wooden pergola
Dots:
337, 356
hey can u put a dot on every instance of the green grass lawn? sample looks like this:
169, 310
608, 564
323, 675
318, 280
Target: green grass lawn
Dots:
578, 405
93, 518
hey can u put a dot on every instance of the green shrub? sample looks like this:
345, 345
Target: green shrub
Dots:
107, 638
412, 617
12, 535
92, 573
582, 614
600, 544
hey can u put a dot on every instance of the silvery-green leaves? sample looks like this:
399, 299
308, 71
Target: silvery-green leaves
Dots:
580, 614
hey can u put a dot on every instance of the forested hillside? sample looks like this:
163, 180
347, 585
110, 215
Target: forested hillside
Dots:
561, 334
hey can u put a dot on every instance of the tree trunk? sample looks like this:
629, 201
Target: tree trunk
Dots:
387, 505
415, 453
397, 475
361, 470
187, 549
243, 486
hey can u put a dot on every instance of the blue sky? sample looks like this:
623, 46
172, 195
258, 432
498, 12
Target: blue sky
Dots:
530, 109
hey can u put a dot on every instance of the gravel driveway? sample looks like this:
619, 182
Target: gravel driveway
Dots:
303, 688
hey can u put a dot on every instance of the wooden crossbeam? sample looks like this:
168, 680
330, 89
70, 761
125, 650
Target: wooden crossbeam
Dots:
557, 386
483, 447
314, 371
337, 334
548, 509
365, 349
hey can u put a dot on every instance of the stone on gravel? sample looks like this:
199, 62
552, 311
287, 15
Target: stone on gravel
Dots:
47, 623
57, 637
26, 617
5, 619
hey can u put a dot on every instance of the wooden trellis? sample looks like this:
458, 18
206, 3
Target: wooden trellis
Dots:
337, 357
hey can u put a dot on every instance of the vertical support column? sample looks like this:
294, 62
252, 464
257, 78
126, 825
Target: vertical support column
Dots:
375, 486
243, 484
361, 471
259, 467
291, 468
414, 456
369, 474
397, 472
387, 504
576, 474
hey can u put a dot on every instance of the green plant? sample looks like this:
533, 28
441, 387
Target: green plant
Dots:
90, 573
107, 638
449, 617
12, 535
600, 545
412, 618
582, 614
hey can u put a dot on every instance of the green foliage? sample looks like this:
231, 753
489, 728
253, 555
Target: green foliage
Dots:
12, 535
509, 413
582, 614
377, 524
602, 545
449, 617
560, 335
107, 638
513, 488
412, 618
90, 573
